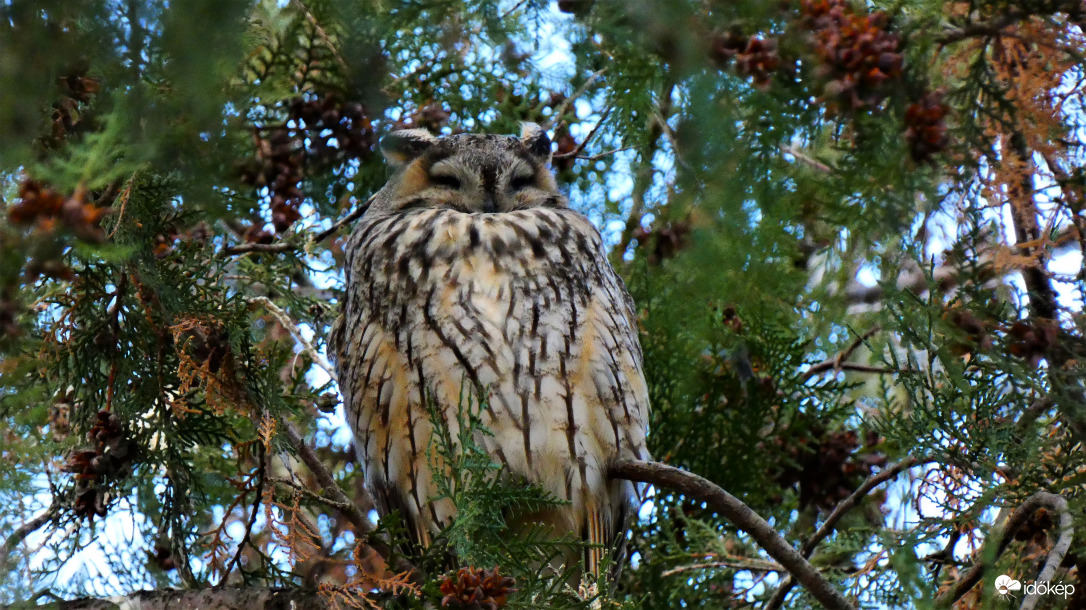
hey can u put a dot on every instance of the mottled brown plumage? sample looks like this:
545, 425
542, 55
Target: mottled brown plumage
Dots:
469, 268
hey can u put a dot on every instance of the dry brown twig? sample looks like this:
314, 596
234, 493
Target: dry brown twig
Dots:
363, 526
246, 539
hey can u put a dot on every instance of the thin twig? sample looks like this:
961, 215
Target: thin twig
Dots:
606, 153
339, 224
309, 493
124, 196
284, 320
981, 29
588, 138
252, 517
1000, 536
558, 112
866, 368
838, 512
332, 46
733, 509
512, 10
820, 166
644, 175
854, 498
837, 362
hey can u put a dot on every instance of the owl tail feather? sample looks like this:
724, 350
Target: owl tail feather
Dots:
598, 534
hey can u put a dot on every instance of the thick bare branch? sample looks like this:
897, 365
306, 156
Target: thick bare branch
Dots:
251, 598
733, 509
22, 532
1059, 551
273, 248
1011, 15
1001, 535
737, 563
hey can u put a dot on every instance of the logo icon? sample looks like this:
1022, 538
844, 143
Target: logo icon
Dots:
1005, 584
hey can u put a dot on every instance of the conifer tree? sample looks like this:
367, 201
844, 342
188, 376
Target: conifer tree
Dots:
854, 232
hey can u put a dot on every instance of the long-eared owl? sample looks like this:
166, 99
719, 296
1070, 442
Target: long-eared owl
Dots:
469, 269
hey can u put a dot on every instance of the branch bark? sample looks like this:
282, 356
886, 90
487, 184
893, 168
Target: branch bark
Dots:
1059, 551
1001, 535
830, 523
1011, 16
694, 486
22, 532
251, 598
283, 246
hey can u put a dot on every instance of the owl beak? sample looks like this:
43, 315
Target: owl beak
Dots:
490, 205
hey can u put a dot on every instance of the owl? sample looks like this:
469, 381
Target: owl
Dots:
469, 275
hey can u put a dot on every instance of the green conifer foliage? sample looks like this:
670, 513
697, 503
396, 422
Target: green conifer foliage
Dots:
854, 232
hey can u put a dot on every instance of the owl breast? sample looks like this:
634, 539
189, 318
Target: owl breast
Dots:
520, 307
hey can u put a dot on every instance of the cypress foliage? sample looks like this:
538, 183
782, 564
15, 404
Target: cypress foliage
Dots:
854, 233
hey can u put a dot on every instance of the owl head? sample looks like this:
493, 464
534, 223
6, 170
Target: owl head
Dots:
470, 173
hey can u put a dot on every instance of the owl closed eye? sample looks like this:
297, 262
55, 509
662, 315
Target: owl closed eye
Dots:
470, 173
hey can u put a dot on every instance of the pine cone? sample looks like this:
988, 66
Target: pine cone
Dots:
858, 54
925, 128
476, 589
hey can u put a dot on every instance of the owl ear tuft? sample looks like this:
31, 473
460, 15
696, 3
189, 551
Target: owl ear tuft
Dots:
536, 141
404, 145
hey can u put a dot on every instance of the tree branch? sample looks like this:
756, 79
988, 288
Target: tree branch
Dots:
250, 598
983, 28
1010, 16
644, 175
274, 248
1000, 536
23, 531
811, 161
1059, 551
837, 361
738, 563
287, 323
284, 246
830, 523
733, 509
247, 538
